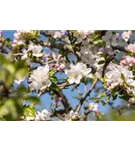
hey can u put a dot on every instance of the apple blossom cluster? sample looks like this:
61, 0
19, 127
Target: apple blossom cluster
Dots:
114, 76
83, 34
126, 35
35, 49
128, 61
18, 37
131, 47
77, 72
72, 116
39, 79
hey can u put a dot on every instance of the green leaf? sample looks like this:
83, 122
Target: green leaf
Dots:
21, 73
52, 72
101, 95
104, 81
33, 99
99, 41
125, 84
125, 97
29, 111
54, 87
101, 62
115, 94
53, 79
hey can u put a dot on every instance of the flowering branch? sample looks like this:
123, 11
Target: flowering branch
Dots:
50, 61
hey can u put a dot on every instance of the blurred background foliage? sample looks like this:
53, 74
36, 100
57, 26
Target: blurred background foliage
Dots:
114, 115
12, 105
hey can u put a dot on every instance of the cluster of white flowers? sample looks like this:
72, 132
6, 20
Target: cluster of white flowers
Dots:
36, 51
91, 57
126, 35
128, 61
131, 47
17, 37
114, 76
72, 115
40, 78
82, 34
77, 72
44, 115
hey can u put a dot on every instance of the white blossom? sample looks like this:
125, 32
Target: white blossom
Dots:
44, 115
80, 35
128, 61
72, 115
17, 35
36, 49
93, 107
126, 35
40, 78
114, 76
131, 47
77, 72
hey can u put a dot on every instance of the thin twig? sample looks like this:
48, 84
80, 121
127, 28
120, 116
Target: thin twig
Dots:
86, 95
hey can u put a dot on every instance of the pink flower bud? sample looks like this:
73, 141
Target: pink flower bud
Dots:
57, 65
58, 69
60, 98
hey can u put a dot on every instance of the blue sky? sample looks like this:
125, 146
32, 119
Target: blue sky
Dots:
46, 99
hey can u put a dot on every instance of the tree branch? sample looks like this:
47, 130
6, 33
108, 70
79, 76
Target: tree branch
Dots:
64, 100
106, 64
86, 95
5, 91
120, 48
